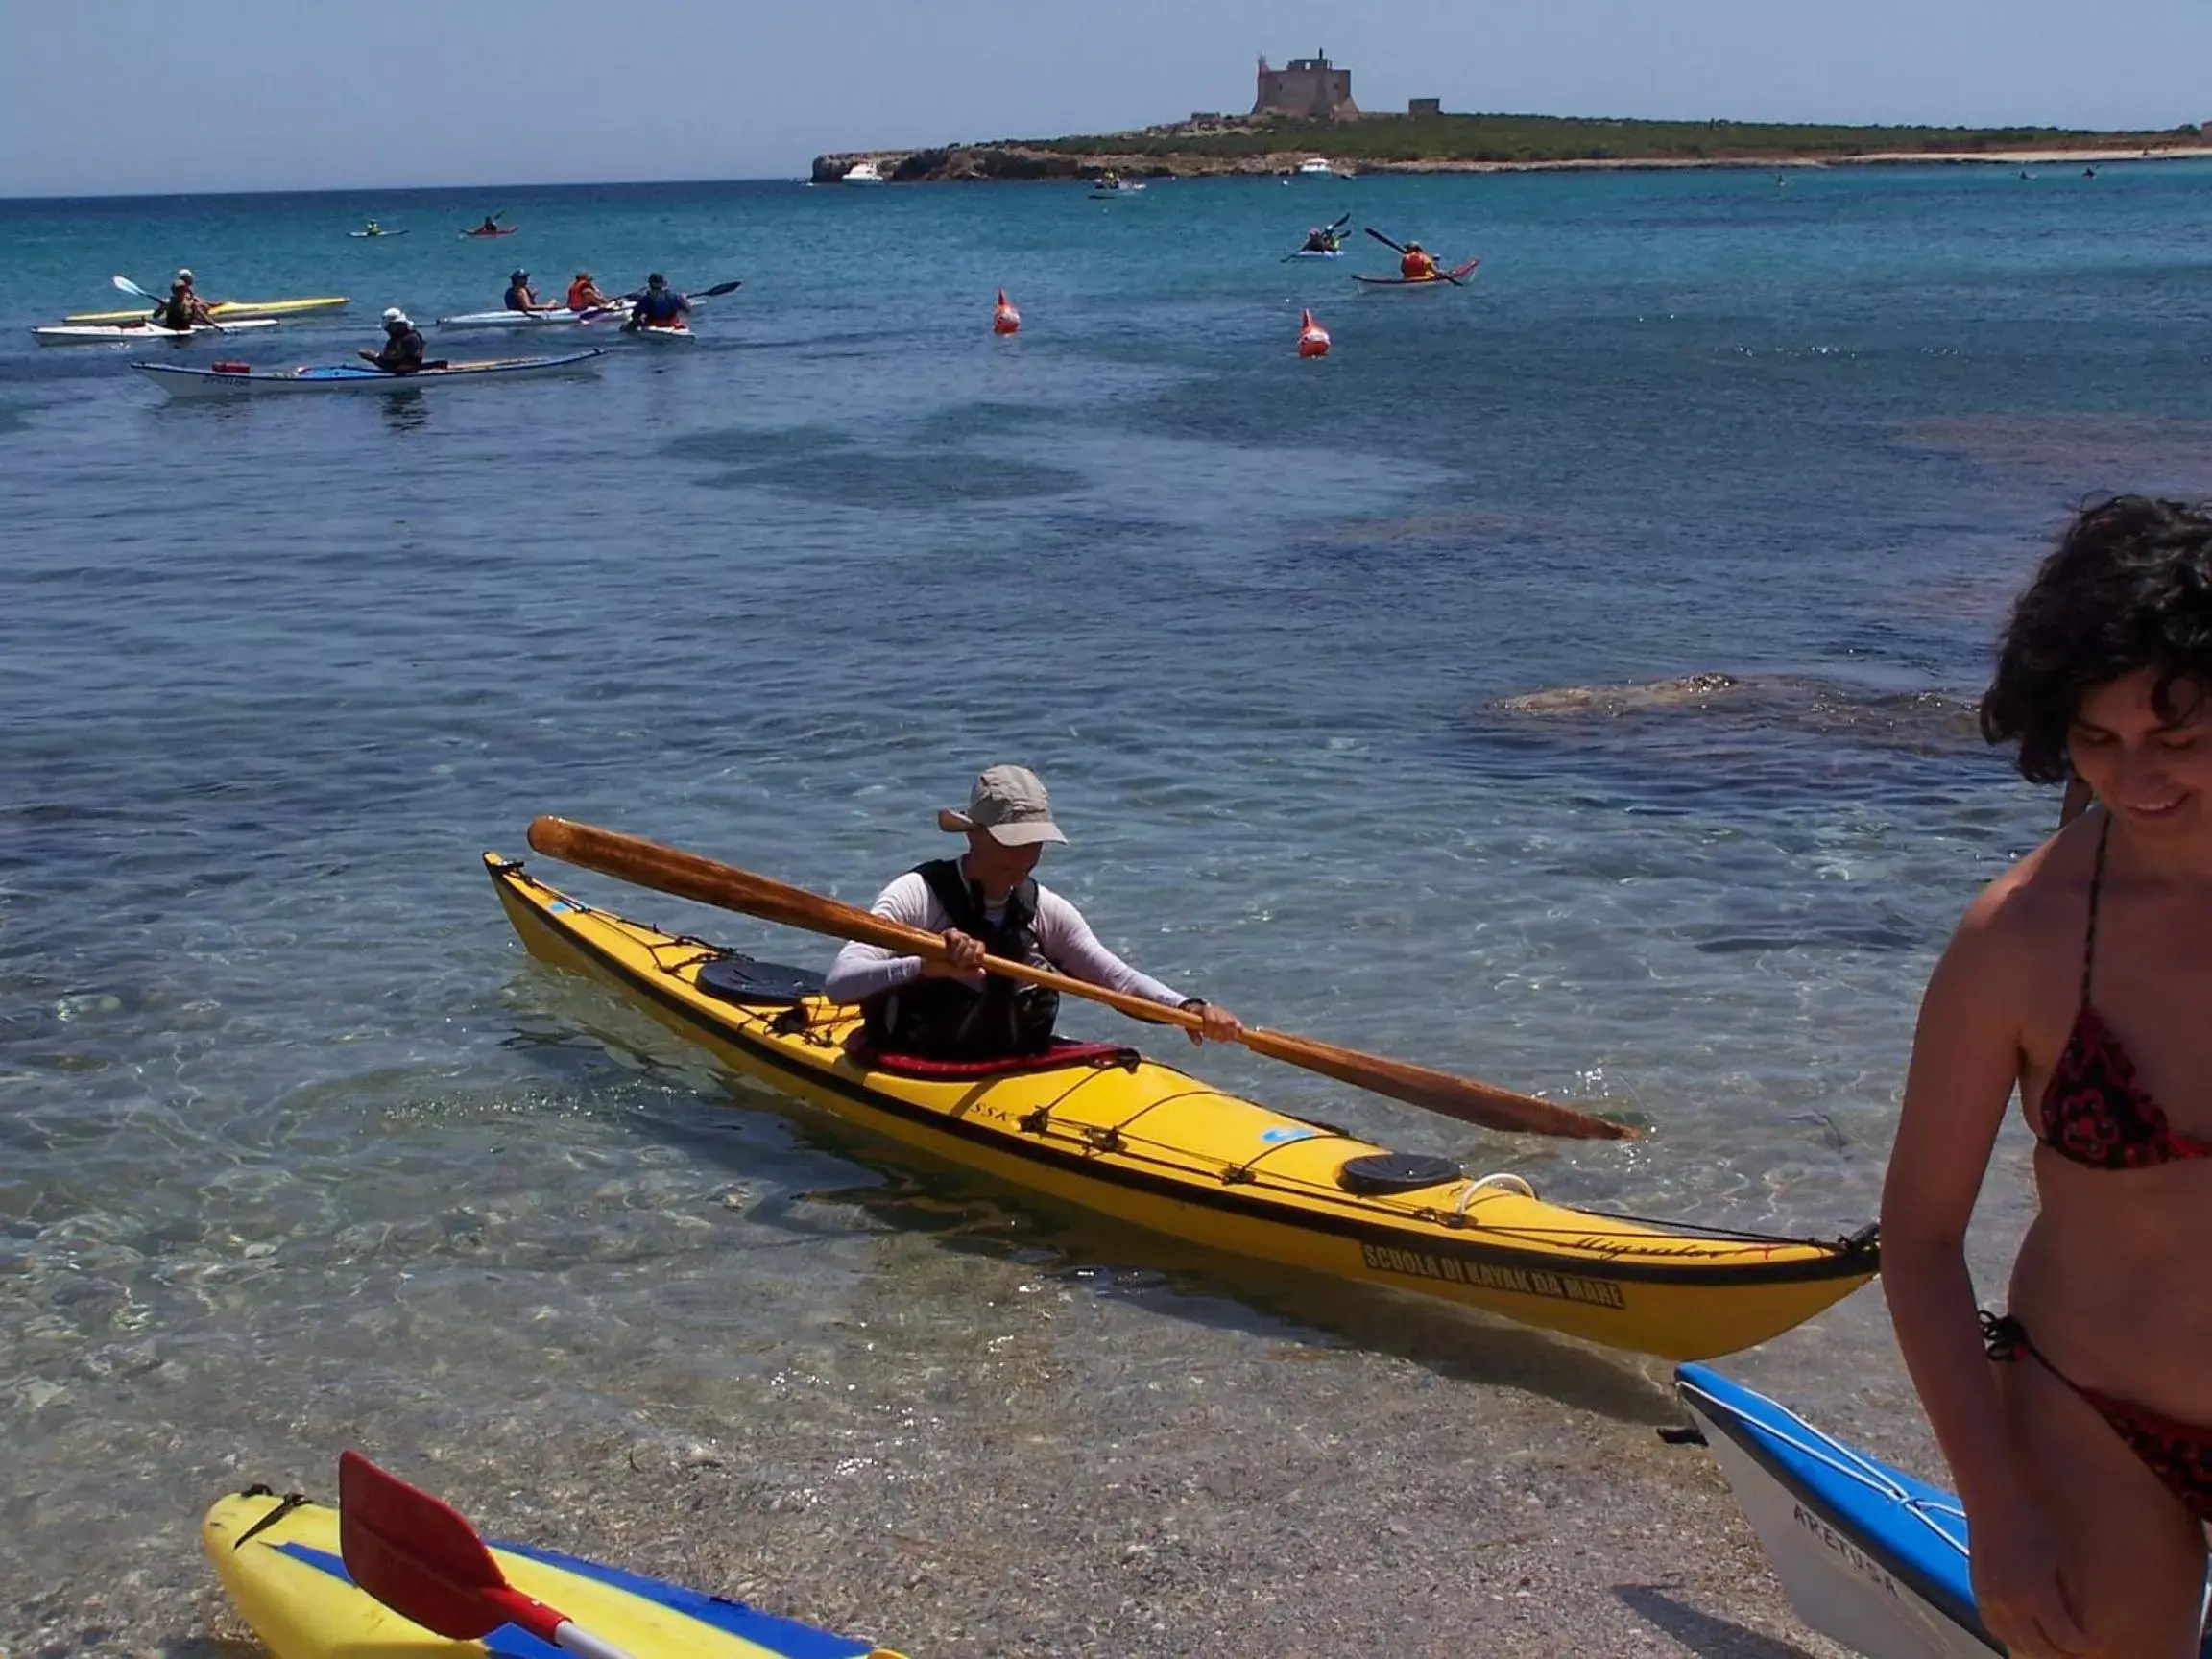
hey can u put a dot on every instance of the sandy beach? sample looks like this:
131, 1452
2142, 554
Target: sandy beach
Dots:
1226, 1484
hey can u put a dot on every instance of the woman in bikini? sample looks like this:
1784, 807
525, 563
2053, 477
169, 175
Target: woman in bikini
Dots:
2079, 1426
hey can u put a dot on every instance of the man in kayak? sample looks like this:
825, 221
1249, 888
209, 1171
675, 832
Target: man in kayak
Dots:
988, 902
660, 306
1418, 265
183, 309
520, 297
584, 295
1320, 241
402, 353
489, 227
372, 228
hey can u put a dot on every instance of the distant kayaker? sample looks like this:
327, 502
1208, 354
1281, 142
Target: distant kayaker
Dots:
584, 295
1319, 241
660, 306
520, 297
988, 902
372, 228
2077, 981
402, 353
489, 227
1417, 264
183, 309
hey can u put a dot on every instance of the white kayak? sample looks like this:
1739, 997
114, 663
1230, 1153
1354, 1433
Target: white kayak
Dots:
128, 334
660, 334
527, 319
1867, 1554
234, 380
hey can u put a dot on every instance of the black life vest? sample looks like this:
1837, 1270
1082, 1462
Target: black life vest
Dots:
944, 1018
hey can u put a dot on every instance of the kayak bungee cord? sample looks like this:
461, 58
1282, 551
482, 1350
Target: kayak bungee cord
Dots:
1671, 1240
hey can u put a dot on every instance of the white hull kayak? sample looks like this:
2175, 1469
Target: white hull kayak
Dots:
122, 335
180, 381
526, 319
659, 336
1868, 1556
224, 310
1319, 253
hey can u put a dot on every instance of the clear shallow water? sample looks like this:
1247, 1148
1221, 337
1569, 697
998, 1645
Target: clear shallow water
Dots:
289, 1129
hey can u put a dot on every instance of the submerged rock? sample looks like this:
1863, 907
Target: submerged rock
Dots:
1799, 703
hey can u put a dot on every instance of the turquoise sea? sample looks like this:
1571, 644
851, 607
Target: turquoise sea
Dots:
292, 1139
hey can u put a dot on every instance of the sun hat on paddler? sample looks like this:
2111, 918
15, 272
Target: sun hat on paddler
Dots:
1009, 804
393, 314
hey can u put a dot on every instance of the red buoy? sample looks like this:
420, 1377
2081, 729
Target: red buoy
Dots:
1004, 318
1313, 338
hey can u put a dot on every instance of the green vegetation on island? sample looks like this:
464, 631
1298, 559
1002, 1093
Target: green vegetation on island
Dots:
1527, 138
1389, 143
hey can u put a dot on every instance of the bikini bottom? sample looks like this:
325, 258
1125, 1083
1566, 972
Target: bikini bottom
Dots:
2178, 1454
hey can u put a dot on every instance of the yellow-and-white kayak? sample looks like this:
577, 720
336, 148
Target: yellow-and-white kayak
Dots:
1150, 1145
278, 1560
224, 309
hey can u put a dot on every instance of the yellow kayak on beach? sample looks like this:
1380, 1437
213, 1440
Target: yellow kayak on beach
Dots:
225, 309
279, 1562
1148, 1144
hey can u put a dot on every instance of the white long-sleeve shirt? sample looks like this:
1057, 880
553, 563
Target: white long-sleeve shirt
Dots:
1064, 941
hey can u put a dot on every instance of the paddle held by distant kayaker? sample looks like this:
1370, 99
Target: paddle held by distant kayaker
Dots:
520, 296
1417, 264
183, 309
988, 902
660, 306
584, 295
402, 351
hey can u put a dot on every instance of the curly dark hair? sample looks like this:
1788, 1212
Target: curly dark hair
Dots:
2128, 588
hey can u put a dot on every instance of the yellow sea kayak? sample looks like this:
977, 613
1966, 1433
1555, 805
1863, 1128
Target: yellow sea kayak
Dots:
1153, 1146
224, 309
278, 1560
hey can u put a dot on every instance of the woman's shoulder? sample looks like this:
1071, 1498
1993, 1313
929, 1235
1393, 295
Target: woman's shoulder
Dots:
2040, 895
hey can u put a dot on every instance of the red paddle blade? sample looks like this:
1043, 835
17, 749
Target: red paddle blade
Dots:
415, 1555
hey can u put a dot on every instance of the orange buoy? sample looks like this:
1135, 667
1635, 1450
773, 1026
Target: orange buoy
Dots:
1313, 338
1004, 318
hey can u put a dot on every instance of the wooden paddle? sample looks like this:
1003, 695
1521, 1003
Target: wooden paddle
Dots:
419, 1558
689, 875
1442, 275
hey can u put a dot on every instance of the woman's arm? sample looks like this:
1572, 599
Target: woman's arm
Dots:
1965, 1064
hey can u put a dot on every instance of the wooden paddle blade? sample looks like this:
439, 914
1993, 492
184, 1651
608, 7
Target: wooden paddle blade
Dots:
687, 876
1440, 1092
414, 1554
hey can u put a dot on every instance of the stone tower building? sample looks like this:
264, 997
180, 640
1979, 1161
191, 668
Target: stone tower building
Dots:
1309, 89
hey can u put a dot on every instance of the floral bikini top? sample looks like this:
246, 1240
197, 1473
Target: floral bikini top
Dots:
2093, 1111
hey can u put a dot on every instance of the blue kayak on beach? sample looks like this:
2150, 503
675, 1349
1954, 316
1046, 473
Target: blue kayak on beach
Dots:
1867, 1554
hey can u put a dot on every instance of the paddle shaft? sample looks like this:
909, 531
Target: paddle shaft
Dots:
689, 875
548, 1624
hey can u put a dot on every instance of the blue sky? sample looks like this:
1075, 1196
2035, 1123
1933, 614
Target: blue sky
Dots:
103, 96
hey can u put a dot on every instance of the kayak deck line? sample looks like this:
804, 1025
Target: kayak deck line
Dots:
1867, 1555
281, 1562
1154, 1146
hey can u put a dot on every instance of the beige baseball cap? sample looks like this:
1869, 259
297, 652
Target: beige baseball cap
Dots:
1009, 804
